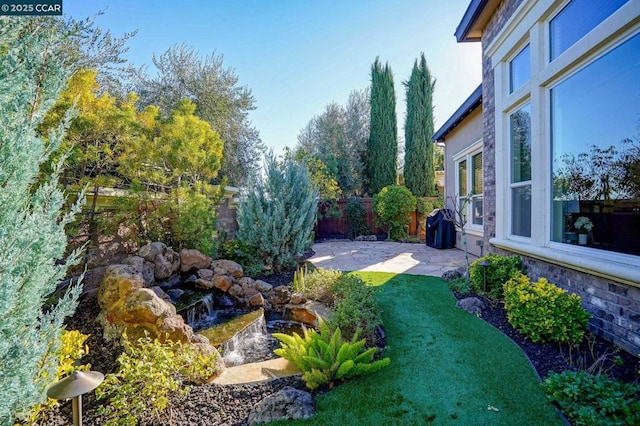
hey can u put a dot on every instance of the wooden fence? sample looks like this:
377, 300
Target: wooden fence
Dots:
338, 227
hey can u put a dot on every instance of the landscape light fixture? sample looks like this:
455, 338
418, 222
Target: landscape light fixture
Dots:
74, 386
484, 263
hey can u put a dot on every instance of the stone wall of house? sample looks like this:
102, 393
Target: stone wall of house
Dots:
499, 19
615, 307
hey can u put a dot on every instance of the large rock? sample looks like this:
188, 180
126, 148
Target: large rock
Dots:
222, 282
118, 281
280, 295
247, 283
232, 268
308, 313
263, 286
205, 284
205, 273
473, 305
174, 328
144, 306
144, 267
287, 404
193, 259
256, 300
166, 261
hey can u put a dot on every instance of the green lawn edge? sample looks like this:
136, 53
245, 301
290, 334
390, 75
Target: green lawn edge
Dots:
447, 367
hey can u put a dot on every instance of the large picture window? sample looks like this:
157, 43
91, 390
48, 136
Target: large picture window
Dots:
595, 144
577, 19
520, 153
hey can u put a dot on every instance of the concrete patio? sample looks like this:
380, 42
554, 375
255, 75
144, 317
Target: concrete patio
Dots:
381, 256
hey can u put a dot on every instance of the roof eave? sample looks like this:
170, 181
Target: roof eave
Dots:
475, 19
467, 107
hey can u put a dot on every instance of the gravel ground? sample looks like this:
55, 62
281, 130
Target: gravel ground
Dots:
230, 405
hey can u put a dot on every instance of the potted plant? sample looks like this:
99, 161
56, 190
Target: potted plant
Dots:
583, 226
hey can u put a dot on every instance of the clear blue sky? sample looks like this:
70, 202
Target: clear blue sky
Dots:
299, 55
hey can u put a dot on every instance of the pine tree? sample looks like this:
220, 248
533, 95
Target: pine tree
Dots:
278, 214
32, 236
419, 174
382, 150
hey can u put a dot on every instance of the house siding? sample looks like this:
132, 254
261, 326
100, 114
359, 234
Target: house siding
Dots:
462, 136
615, 306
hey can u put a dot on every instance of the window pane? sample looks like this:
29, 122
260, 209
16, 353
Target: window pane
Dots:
520, 125
519, 69
521, 211
476, 210
577, 19
462, 178
595, 121
476, 178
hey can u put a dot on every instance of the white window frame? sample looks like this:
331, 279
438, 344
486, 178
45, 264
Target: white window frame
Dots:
466, 155
530, 25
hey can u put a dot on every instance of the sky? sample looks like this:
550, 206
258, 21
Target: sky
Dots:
297, 56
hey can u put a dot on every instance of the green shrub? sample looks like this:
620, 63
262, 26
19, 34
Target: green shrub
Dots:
460, 285
544, 312
355, 308
241, 253
150, 372
277, 215
352, 301
594, 399
393, 206
500, 270
325, 356
357, 215
317, 285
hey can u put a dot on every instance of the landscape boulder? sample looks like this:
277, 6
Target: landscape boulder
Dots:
280, 295
193, 259
166, 261
473, 305
144, 267
286, 404
118, 281
232, 268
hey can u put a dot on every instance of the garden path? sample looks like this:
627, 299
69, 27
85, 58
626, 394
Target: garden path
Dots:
382, 256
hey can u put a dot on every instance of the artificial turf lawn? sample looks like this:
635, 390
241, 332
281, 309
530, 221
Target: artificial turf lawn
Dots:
447, 367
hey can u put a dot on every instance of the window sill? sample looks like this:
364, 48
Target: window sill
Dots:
622, 268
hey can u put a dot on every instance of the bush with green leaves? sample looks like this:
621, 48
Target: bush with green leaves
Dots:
150, 373
241, 253
357, 217
355, 308
544, 312
499, 271
277, 215
393, 206
353, 302
325, 357
594, 399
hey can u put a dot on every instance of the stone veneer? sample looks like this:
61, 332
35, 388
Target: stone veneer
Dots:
615, 306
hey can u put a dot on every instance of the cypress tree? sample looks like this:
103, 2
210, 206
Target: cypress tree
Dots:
382, 149
32, 236
419, 174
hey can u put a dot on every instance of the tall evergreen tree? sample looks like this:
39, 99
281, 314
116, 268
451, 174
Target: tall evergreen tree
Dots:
32, 235
382, 150
419, 175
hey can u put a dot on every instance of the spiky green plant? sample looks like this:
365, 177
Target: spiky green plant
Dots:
324, 357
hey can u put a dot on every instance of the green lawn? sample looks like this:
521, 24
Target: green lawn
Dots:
447, 367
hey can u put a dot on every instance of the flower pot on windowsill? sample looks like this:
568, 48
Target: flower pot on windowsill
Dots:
582, 239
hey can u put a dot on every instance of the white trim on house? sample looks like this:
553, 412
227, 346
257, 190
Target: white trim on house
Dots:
530, 25
467, 154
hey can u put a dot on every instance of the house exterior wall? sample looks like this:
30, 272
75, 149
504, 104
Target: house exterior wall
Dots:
465, 134
613, 298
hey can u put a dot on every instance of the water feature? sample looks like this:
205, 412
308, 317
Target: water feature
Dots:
241, 335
